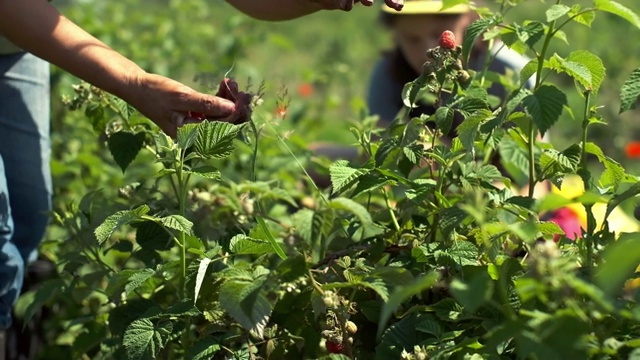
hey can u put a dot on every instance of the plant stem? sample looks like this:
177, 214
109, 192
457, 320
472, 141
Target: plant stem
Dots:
314, 284
584, 174
532, 129
393, 215
182, 200
182, 210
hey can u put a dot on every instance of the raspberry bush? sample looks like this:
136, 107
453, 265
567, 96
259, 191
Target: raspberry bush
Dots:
219, 248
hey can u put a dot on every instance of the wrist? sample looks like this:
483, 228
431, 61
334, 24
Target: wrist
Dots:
132, 85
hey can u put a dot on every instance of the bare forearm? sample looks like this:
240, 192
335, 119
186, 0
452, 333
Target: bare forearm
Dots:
275, 10
39, 28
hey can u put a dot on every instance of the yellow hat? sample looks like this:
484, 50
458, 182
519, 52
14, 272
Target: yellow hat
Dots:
414, 7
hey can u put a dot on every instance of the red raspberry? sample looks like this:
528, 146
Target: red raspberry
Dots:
197, 115
334, 347
228, 89
447, 40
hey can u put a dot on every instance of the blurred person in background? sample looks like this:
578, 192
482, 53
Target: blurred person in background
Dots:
416, 29
32, 34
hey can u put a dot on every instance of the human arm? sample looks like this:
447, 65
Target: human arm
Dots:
36, 26
278, 10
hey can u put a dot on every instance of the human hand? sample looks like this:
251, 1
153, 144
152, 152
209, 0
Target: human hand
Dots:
347, 5
168, 103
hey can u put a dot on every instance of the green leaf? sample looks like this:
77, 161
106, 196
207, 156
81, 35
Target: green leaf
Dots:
613, 174
343, 176
473, 292
125, 146
554, 162
369, 183
314, 226
545, 106
403, 293
620, 261
619, 10
444, 119
203, 349
461, 253
151, 236
589, 61
215, 139
530, 33
187, 135
411, 90
123, 315
469, 130
522, 37
528, 71
143, 339
402, 335
177, 222
247, 303
98, 117
582, 17
451, 218
244, 245
267, 232
556, 11
123, 108
430, 326
202, 271
470, 105
104, 231
549, 228
514, 158
353, 207
630, 91
474, 30
127, 280
576, 70
207, 172
447, 309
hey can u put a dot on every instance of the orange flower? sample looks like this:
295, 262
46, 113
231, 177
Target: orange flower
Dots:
633, 149
305, 90
281, 111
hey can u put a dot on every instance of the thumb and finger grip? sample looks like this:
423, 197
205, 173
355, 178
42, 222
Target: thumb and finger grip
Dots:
228, 89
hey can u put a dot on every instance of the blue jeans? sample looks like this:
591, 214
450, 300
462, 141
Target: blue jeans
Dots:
25, 177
